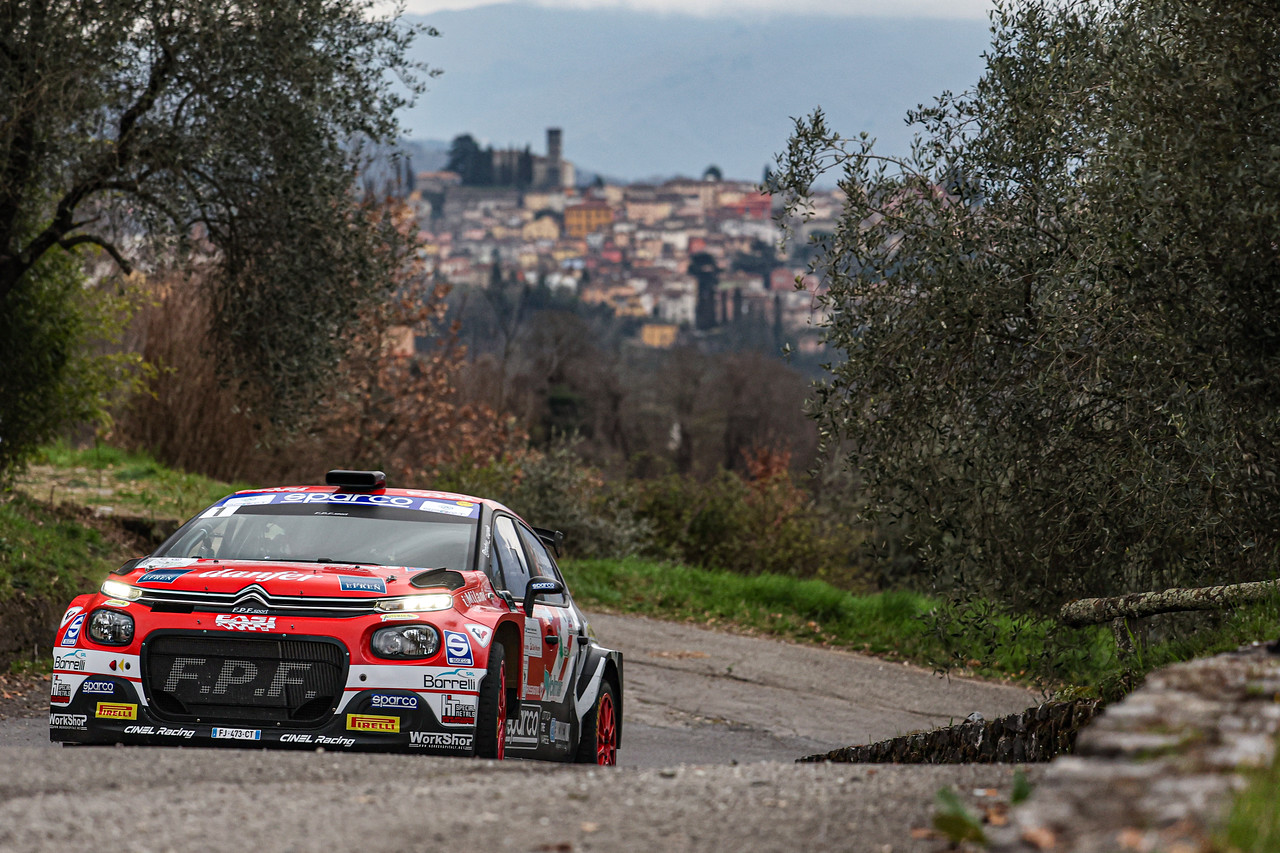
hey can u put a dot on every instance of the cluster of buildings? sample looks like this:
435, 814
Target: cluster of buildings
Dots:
685, 258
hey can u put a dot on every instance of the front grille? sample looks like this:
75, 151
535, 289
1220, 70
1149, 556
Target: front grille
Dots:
251, 680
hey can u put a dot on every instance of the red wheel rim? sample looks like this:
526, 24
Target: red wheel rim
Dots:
502, 714
606, 731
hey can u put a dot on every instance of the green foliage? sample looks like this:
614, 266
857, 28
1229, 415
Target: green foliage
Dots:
553, 489
52, 334
955, 821
240, 123
764, 525
45, 554
1057, 318
1253, 826
1021, 788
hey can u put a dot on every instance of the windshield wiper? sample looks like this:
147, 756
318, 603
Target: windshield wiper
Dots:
342, 562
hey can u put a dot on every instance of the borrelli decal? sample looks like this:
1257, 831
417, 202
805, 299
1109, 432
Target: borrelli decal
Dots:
373, 723
413, 678
242, 622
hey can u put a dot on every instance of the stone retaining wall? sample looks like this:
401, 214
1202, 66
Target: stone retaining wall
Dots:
1037, 734
1157, 770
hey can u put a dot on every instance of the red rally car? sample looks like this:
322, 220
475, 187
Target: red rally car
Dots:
349, 616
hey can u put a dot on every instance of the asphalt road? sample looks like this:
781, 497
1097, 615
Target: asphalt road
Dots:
713, 724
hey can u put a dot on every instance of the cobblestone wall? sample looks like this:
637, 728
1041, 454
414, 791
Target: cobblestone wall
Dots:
1037, 734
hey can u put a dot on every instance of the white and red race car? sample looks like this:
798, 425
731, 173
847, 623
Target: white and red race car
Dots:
348, 616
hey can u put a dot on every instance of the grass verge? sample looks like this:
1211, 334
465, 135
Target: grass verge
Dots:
1253, 825
972, 638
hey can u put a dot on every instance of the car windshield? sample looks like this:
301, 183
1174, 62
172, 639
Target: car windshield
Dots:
328, 532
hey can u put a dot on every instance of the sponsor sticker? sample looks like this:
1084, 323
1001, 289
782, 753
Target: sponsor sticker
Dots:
318, 740
75, 661
116, 602
481, 634
440, 740
73, 631
164, 731
353, 584
523, 730
162, 575
259, 576
166, 563
458, 710
69, 615
242, 622
116, 711
461, 509
97, 687
532, 638
380, 700
472, 597
397, 617
68, 721
373, 723
60, 690
248, 500
237, 734
457, 649
454, 680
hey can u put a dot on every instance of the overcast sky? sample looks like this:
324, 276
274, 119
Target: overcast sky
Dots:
973, 9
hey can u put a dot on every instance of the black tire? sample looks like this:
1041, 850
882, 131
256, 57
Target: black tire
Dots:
598, 740
491, 710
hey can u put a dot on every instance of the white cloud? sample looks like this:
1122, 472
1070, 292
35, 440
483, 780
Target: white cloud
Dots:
735, 8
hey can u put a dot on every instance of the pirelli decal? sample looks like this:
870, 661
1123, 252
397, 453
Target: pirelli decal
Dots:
116, 711
373, 723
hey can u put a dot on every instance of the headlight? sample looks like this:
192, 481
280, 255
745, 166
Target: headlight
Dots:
111, 627
417, 603
405, 641
116, 589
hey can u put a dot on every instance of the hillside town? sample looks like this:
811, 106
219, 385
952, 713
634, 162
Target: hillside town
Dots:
685, 260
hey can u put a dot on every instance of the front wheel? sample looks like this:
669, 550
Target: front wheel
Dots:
598, 742
491, 711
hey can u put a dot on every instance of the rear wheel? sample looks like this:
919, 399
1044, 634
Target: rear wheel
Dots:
598, 743
491, 713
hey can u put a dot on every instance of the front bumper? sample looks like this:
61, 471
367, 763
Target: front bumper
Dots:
101, 697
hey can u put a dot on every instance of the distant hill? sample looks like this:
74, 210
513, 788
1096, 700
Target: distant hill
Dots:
644, 95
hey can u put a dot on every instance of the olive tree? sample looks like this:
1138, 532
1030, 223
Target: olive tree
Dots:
227, 129
1056, 322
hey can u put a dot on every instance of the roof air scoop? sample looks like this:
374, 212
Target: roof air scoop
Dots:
356, 481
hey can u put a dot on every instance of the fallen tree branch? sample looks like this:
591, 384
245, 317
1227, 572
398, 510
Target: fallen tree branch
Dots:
1094, 611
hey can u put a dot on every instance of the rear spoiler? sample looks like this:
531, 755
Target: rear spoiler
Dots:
553, 539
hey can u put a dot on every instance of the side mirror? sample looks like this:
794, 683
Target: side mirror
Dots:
537, 587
